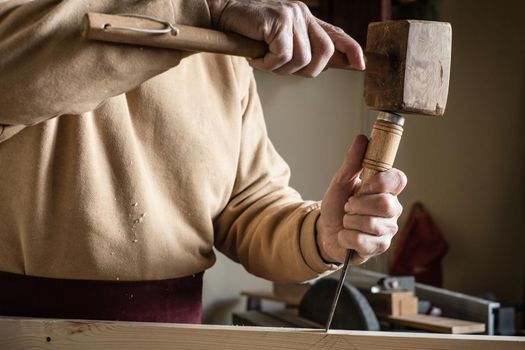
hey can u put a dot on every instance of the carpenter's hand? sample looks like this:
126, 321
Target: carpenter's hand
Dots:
298, 42
364, 220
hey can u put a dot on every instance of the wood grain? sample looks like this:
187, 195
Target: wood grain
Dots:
382, 148
20, 333
418, 80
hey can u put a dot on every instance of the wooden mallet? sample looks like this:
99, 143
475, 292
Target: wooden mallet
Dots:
408, 66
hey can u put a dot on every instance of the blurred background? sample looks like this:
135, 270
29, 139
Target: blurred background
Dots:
466, 167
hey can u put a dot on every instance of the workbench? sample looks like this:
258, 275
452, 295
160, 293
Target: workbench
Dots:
25, 333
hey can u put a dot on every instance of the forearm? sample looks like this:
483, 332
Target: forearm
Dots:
266, 225
273, 237
48, 69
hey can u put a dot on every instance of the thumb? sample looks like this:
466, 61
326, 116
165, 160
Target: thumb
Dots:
352, 163
342, 186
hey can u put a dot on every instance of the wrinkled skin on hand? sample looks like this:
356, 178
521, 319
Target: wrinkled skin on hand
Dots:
362, 217
299, 43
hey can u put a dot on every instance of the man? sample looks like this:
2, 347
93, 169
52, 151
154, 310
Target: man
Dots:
123, 166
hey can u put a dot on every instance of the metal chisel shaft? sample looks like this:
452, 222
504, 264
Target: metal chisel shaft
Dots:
342, 278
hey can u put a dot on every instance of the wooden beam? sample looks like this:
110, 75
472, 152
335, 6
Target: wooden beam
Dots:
24, 333
437, 324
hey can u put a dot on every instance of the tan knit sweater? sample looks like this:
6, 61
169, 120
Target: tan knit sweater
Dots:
129, 163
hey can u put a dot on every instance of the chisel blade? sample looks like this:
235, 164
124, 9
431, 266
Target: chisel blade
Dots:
342, 278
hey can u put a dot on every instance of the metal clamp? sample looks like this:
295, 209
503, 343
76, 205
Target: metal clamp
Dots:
169, 29
391, 118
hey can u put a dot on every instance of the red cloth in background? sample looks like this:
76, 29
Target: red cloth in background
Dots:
420, 249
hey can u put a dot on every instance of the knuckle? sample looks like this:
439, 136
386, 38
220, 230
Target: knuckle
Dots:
399, 179
384, 203
396, 179
302, 58
286, 14
321, 59
280, 15
383, 245
284, 56
349, 206
370, 225
308, 74
391, 206
403, 178
327, 47
359, 259
391, 229
300, 8
336, 29
399, 208
361, 242
301, 5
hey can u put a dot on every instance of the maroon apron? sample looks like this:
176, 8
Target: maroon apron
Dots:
176, 300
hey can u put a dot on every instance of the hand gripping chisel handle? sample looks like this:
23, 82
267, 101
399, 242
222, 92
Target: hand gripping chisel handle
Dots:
380, 155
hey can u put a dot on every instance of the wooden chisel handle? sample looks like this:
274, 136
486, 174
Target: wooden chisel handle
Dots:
383, 145
119, 29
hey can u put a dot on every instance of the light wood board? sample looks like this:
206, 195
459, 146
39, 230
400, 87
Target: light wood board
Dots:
21, 333
438, 324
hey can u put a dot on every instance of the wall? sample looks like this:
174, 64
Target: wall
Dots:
466, 167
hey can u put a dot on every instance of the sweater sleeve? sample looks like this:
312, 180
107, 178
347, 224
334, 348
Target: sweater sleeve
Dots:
48, 69
266, 226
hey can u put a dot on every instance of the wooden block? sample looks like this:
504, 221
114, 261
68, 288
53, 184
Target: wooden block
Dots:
418, 78
393, 303
408, 306
438, 324
20, 333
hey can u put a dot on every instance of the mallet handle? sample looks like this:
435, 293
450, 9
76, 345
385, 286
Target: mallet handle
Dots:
104, 27
384, 142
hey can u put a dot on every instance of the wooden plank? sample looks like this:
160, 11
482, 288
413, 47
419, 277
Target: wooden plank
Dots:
438, 324
22, 333
458, 305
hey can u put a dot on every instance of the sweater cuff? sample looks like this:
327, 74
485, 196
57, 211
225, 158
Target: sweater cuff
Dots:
308, 243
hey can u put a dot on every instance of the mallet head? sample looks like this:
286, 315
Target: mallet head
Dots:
417, 71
